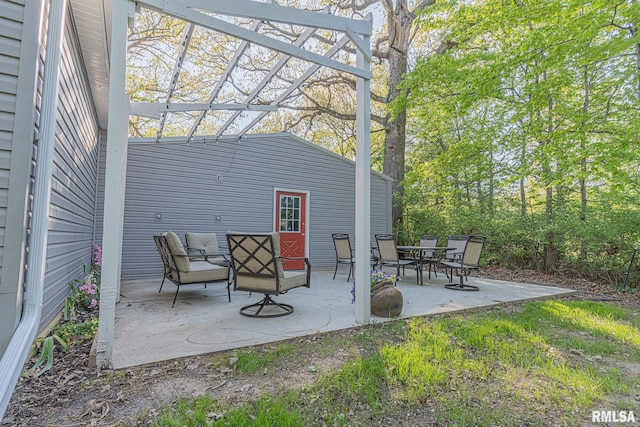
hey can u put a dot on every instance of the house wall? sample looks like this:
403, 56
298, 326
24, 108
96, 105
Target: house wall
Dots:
75, 169
75, 177
19, 49
179, 182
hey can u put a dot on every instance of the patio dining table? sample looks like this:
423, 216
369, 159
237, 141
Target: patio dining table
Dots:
420, 258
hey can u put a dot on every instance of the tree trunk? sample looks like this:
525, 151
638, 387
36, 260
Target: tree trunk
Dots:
550, 251
523, 190
399, 23
583, 163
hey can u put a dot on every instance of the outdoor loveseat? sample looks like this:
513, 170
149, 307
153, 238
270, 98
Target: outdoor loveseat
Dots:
180, 270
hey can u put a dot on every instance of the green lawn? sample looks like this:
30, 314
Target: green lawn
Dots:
538, 363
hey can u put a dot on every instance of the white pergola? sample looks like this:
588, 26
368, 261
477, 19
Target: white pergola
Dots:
217, 16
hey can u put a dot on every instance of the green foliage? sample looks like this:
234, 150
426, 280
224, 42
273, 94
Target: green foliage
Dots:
77, 331
253, 360
523, 130
266, 411
85, 293
45, 347
83, 299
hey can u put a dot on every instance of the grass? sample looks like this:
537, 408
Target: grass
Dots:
544, 363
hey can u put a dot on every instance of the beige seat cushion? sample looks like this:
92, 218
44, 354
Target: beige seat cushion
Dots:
179, 254
202, 271
205, 241
292, 279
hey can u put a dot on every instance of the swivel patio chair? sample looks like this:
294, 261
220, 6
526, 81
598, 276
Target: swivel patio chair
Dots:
470, 260
204, 247
257, 267
180, 270
388, 253
458, 244
344, 254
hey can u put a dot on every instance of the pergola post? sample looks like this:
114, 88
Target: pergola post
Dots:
363, 189
115, 174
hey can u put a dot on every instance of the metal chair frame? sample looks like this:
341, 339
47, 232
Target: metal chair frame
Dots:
344, 253
173, 273
387, 256
256, 256
470, 260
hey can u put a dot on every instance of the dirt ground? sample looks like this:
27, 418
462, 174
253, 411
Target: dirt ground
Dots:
73, 395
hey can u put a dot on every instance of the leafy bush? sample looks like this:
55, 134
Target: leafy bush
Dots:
77, 331
83, 299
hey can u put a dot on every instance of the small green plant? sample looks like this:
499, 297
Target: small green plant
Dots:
85, 294
45, 347
83, 299
376, 277
253, 360
77, 331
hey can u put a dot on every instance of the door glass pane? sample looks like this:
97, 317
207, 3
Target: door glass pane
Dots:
289, 213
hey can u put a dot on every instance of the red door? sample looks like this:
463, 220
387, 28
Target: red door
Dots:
290, 223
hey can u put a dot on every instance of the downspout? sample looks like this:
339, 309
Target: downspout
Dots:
16, 353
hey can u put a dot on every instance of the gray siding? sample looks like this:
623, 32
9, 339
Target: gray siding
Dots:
10, 44
179, 182
75, 174
11, 243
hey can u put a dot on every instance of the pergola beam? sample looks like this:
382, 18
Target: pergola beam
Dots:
154, 110
275, 13
227, 71
274, 70
295, 85
182, 12
177, 67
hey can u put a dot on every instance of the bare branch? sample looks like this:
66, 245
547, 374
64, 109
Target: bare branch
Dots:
422, 5
342, 79
353, 4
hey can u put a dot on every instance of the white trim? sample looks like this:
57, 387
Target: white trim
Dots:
154, 110
115, 175
14, 250
307, 213
363, 190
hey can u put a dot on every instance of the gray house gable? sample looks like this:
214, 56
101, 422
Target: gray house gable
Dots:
230, 185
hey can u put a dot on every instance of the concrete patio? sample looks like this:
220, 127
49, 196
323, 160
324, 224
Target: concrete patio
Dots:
148, 330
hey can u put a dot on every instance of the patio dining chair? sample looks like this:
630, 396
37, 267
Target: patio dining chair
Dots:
204, 247
344, 254
257, 267
388, 253
470, 260
430, 257
180, 270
